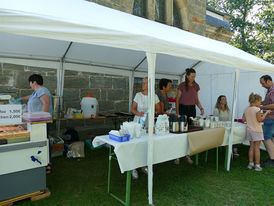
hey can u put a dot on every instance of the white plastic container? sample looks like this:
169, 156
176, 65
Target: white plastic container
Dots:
89, 106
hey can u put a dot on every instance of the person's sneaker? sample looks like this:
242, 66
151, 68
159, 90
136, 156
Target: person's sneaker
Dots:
177, 161
189, 160
268, 163
145, 170
235, 152
258, 168
250, 166
134, 174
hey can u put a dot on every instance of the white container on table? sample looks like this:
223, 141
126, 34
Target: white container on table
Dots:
89, 106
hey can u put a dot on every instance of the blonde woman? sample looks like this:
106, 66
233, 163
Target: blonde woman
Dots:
221, 109
139, 108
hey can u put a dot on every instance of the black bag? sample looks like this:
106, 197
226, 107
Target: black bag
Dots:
71, 135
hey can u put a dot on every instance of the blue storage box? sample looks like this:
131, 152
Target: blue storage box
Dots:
119, 139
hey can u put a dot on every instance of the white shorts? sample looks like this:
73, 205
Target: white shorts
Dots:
254, 136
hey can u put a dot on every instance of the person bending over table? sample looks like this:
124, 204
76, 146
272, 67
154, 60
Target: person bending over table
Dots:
139, 109
39, 101
186, 100
222, 111
164, 87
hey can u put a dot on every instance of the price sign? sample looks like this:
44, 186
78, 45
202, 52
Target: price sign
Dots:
10, 114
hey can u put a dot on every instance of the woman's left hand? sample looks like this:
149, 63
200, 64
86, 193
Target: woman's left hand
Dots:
202, 111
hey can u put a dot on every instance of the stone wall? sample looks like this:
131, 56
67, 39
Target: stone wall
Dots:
192, 12
14, 79
112, 93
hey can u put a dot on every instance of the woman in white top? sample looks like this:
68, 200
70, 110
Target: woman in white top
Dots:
140, 102
223, 112
139, 108
221, 109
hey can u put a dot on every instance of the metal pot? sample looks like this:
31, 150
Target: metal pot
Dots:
175, 127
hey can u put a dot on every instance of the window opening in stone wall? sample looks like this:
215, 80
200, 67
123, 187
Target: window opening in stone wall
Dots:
177, 22
160, 14
139, 8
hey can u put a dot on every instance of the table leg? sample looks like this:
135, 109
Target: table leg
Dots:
109, 168
128, 184
217, 159
226, 155
197, 159
206, 156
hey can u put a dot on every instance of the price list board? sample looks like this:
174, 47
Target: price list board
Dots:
10, 114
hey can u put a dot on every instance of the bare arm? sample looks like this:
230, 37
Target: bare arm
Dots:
260, 117
134, 110
243, 118
199, 105
25, 98
162, 109
178, 97
158, 108
270, 106
161, 105
45, 100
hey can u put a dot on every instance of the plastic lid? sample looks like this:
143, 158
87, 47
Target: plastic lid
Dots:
89, 95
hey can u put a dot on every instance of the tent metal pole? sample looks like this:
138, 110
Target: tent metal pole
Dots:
136, 67
131, 86
151, 57
236, 85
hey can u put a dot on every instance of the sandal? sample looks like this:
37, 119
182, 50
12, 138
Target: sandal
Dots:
48, 169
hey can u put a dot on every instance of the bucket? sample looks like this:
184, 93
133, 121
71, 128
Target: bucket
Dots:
89, 106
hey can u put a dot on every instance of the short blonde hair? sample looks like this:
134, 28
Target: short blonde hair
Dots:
254, 97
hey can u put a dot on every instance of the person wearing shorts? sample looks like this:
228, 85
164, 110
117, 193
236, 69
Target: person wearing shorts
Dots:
254, 131
268, 126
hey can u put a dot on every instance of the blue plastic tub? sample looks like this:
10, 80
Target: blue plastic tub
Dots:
119, 139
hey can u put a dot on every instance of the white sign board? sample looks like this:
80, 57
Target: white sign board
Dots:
10, 114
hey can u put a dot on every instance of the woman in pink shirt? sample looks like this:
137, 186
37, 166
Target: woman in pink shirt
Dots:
187, 99
254, 130
187, 96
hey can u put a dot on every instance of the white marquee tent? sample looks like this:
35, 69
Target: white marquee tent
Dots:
84, 36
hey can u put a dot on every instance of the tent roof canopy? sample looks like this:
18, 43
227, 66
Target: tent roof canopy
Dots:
102, 36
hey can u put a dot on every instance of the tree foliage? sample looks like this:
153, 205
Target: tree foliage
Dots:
252, 24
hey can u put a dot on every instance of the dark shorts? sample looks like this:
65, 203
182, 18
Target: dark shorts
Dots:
188, 110
268, 128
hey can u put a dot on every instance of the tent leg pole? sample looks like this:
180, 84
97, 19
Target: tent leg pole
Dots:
230, 143
151, 59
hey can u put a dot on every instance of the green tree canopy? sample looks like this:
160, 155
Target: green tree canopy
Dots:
252, 24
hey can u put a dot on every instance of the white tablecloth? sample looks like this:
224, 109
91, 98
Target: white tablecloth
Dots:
238, 136
133, 154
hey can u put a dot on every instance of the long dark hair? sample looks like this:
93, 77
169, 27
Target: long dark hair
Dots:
188, 72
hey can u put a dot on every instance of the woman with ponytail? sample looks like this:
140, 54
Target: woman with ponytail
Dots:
187, 98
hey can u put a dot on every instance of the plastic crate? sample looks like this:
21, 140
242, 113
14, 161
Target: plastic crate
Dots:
88, 143
118, 138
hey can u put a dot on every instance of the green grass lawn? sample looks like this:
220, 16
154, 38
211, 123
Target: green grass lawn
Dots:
84, 182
